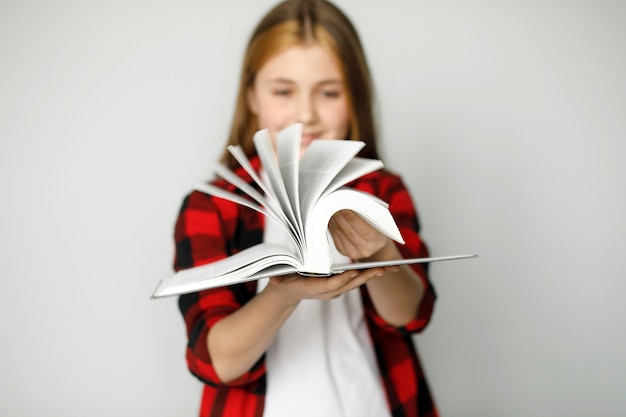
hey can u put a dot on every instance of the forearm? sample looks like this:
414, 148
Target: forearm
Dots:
398, 293
238, 341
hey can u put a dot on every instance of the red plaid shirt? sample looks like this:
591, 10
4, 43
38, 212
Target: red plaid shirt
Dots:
209, 229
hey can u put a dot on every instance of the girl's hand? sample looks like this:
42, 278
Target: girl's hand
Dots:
297, 287
356, 238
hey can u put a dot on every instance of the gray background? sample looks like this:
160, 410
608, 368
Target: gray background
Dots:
504, 117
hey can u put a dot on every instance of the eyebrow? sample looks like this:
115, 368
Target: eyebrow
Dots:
288, 81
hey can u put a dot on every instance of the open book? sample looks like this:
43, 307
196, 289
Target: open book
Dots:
302, 194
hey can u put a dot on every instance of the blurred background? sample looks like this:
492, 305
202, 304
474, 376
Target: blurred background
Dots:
505, 118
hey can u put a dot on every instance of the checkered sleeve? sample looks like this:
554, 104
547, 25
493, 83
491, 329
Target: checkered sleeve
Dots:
402, 375
201, 236
390, 188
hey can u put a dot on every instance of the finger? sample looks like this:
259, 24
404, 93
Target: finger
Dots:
348, 240
284, 279
353, 279
358, 238
336, 282
344, 245
346, 222
351, 222
392, 268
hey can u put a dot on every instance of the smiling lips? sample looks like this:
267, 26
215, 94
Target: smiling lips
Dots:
307, 138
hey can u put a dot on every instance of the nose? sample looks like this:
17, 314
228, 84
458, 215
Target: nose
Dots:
306, 109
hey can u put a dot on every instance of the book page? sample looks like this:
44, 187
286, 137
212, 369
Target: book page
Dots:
371, 209
263, 144
211, 189
168, 289
272, 200
235, 180
321, 163
239, 267
337, 269
269, 208
356, 168
288, 144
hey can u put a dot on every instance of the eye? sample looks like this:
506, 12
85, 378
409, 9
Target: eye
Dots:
331, 93
282, 92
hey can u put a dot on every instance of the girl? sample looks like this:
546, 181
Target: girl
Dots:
294, 345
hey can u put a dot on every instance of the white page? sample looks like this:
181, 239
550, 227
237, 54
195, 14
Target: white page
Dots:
337, 269
233, 268
211, 189
235, 180
370, 208
263, 146
246, 273
167, 289
234, 262
239, 155
288, 144
356, 168
272, 200
321, 163
270, 210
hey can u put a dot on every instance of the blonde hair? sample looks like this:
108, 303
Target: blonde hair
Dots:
297, 22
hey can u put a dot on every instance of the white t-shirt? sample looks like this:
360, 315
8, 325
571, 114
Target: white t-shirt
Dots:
322, 362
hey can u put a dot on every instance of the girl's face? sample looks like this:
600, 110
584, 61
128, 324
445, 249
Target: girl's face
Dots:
302, 84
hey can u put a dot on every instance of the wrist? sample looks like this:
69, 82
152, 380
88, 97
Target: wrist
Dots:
279, 296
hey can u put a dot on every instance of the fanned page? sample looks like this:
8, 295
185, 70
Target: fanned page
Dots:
272, 199
240, 267
264, 205
288, 144
337, 269
356, 168
370, 208
322, 162
263, 144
